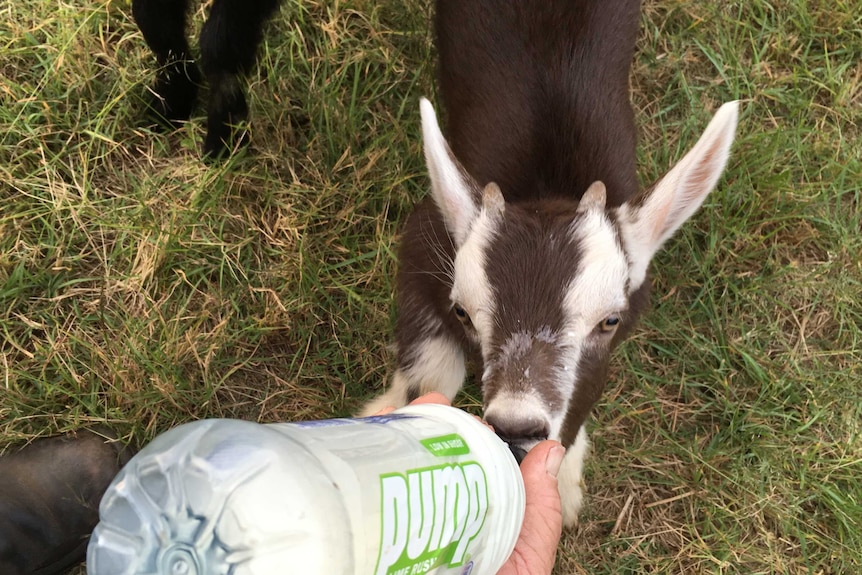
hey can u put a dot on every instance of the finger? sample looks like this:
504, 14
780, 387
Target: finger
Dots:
536, 548
485, 423
433, 397
439, 398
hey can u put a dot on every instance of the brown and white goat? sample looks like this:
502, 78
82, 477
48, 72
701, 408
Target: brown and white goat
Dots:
531, 253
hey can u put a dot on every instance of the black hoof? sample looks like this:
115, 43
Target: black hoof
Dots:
227, 111
175, 94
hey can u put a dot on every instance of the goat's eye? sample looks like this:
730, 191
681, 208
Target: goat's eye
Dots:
609, 324
461, 314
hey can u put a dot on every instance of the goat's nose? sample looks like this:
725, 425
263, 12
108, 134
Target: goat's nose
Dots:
513, 428
519, 432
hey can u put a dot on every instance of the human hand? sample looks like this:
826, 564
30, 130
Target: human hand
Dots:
433, 397
536, 549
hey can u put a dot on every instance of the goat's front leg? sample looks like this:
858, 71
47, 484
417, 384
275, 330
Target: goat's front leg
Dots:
430, 340
175, 92
432, 364
229, 41
570, 479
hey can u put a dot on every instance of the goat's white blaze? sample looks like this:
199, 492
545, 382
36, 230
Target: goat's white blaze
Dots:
599, 287
471, 288
597, 290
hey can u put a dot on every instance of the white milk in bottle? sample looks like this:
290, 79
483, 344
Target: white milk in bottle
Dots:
425, 489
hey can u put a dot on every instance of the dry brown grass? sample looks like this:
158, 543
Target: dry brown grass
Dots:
142, 288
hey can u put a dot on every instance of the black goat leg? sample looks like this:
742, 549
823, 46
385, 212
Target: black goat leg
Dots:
163, 25
229, 41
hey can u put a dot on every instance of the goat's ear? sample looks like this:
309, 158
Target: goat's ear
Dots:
653, 217
454, 191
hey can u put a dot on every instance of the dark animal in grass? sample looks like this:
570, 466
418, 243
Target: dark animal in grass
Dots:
228, 44
49, 499
531, 252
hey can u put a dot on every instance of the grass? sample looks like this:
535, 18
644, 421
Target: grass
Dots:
142, 288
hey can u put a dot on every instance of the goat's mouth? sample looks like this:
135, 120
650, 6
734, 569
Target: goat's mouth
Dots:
519, 452
520, 447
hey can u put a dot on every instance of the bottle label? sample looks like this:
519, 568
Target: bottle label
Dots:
430, 515
382, 419
446, 445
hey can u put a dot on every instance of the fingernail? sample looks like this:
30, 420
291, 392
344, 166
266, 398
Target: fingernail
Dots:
554, 460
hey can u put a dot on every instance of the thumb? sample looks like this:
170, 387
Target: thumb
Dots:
536, 548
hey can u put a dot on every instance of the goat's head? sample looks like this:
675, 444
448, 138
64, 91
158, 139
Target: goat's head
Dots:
547, 289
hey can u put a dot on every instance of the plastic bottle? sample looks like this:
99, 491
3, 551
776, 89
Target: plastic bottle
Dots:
425, 489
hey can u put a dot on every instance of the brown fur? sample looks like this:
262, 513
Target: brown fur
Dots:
537, 94
537, 100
